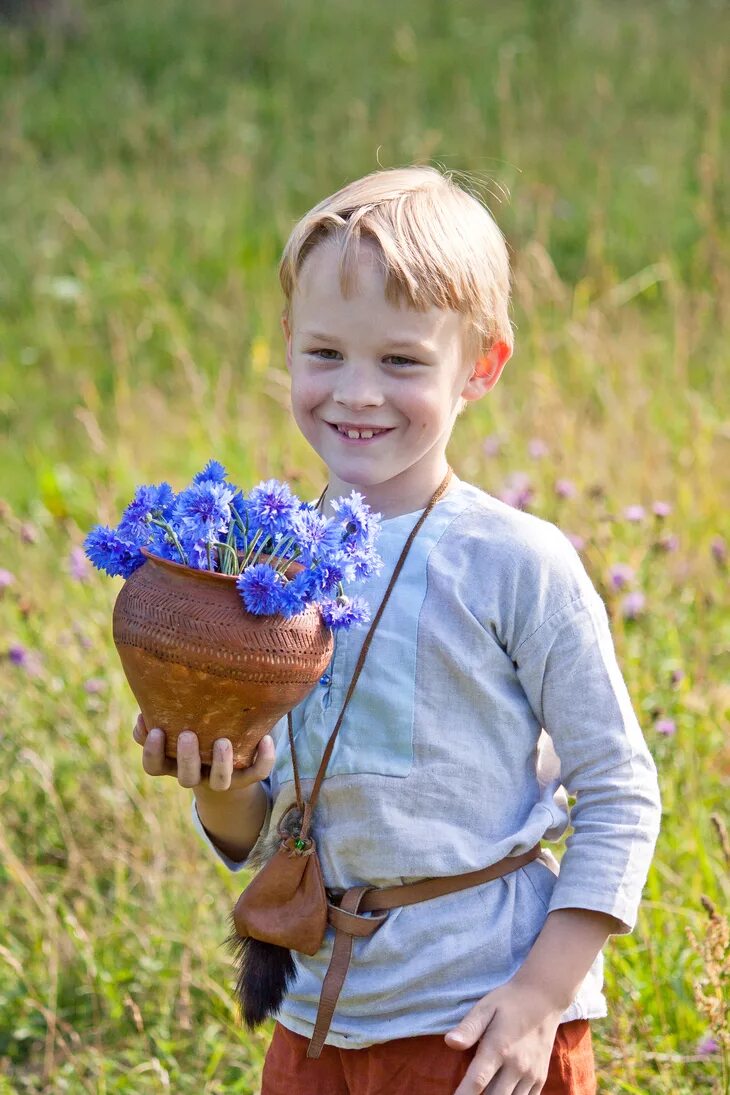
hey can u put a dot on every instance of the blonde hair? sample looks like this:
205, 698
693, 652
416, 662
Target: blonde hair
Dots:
438, 244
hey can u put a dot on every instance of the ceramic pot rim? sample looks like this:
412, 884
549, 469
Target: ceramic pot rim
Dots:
212, 575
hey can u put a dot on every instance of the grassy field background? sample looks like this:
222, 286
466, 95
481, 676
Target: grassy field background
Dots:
154, 158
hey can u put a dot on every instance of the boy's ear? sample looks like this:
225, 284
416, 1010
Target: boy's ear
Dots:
486, 371
287, 335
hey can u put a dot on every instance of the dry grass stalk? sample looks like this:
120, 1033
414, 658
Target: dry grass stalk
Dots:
712, 991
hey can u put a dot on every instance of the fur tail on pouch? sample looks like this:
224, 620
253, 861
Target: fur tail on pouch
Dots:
264, 972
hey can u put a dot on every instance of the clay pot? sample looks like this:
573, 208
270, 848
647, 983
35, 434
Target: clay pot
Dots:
195, 659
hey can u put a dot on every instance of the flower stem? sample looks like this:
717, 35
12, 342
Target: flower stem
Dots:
230, 540
261, 547
249, 552
239, 522
224, 559
281, 549
172, 534
281, 567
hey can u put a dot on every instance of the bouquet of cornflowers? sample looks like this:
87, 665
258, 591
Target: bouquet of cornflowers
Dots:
211, 525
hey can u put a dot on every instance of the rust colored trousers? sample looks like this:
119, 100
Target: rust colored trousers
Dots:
424, 1065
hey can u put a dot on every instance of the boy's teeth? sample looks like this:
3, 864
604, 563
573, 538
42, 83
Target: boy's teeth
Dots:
356, 434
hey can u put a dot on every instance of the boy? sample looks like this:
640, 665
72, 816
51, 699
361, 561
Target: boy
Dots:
397, 293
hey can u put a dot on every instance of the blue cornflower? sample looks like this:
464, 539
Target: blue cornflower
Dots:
303, 585
204, 510
292, 601
213, 470
345, 612
324, 577
358, 524
261, 589
112, 553
163, 548
148, 501
359, 562
271, 506
316, 536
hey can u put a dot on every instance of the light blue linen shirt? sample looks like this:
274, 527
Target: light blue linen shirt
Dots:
493, 631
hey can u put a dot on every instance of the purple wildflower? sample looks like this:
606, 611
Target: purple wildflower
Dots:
28, 533
517, 491
6, 579
668, 541
537, 448
578, 542
109, 552
29, 660
94, 684
633, 604
345, 612
271, 506
77, 565
213, 470
260, 587
666, 727
620, 575
676, 677
204, 510
718, 548
661, 509
707, 1046
635, 514
565, 488
149, 501
492, 445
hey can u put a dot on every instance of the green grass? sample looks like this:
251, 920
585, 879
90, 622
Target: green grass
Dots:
154, 158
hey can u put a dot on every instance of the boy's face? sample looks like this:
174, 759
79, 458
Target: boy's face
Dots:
365, 363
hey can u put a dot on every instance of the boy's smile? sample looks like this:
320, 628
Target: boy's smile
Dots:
375, 385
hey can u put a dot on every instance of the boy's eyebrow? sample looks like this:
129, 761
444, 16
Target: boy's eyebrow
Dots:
395, 343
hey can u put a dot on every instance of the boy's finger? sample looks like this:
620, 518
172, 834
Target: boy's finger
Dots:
221, 769
154, 760
140, 730
264, 759
188, 759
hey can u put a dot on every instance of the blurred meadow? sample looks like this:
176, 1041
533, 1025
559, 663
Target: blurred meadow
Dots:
154, 158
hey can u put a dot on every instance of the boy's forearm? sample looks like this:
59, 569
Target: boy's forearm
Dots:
563, 953
232, 819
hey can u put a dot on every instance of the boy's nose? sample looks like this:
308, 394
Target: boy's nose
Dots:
358, 391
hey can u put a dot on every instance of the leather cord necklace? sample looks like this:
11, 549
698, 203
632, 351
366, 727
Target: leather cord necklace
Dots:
307, 808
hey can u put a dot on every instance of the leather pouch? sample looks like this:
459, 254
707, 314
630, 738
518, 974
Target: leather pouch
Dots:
283, 909
285, 903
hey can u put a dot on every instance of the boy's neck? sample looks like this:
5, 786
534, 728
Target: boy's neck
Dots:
390, 499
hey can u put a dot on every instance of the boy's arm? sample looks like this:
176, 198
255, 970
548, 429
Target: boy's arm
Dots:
570, 675
517, 1022
231, 821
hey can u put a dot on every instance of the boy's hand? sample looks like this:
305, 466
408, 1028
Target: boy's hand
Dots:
187, 769
517, 1030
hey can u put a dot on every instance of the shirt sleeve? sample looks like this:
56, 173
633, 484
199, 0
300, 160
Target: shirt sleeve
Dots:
569, 673
231, 864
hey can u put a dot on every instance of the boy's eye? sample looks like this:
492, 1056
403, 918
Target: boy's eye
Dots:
323, 353
397, 359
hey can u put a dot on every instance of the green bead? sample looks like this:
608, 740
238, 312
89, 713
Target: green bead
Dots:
300, 844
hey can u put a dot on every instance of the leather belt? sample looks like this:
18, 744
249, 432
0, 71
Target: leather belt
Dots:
347, 919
